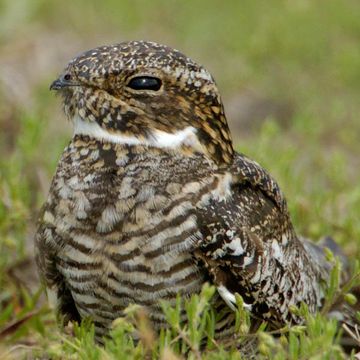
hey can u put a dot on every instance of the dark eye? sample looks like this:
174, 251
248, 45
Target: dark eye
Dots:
145, 83
67, 77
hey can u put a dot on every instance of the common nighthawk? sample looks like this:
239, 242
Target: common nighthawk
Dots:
150, 199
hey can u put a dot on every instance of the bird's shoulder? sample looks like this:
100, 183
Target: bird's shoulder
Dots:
248, 241
247, 171
248, 222
247, 195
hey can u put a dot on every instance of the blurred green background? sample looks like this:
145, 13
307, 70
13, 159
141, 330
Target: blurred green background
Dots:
288, 72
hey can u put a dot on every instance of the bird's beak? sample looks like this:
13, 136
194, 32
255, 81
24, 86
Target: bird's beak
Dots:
57, 84
61, 83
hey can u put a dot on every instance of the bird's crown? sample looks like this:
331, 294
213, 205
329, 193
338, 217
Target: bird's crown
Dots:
141, 92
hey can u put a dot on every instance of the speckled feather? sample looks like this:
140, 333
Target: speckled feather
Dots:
150, 200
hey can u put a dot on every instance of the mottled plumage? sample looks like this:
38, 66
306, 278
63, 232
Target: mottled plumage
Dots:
150, 200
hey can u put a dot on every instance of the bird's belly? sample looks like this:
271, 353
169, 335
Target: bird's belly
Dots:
105, 278
130, 245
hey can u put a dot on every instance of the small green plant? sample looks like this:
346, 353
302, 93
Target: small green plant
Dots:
193, 337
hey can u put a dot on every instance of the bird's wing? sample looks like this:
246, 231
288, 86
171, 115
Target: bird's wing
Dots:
249, 247
47, 242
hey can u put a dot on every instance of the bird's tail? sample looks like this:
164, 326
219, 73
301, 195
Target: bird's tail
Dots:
318, 252
341, 310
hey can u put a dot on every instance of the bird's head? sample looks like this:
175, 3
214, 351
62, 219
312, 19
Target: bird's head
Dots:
144, 93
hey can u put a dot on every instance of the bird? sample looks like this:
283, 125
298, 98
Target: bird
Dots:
150, 200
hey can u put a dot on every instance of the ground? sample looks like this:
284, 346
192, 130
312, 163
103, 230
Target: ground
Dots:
289, 73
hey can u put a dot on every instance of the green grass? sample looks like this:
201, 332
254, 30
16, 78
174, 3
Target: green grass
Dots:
300, 55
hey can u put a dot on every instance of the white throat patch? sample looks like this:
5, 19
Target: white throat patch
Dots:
158, 138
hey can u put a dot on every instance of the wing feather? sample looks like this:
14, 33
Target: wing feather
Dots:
249, 246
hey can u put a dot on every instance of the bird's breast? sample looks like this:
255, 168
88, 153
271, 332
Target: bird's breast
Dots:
128, 234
